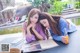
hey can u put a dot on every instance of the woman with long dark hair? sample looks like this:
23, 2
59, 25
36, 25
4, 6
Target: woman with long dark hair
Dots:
58, 29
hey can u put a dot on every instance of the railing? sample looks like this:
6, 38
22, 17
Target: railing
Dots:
72, 14
67, 13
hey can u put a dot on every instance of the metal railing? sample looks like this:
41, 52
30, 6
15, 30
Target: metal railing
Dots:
72, 14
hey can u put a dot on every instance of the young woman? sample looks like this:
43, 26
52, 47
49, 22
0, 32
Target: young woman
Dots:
32, 29
58, 29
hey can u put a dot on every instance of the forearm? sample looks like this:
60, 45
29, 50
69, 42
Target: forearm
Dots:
28, 32
56, 37
24, 32
37, 35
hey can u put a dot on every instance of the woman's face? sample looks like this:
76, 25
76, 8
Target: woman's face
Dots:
44, 22
34, 18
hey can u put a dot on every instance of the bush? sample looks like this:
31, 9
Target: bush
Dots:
11, 30
77, 5
76, 21
57, 7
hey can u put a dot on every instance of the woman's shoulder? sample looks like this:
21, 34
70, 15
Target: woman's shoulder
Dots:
38, 25
62, 20
25, 24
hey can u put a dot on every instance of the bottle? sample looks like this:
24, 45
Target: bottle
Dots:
66, 36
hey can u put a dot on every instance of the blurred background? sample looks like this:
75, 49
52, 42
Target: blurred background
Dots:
14, 12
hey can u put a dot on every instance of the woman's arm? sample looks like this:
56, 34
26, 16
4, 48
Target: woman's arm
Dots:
64, 39
64, 30
37, 34
27, 34
63, 26
24, 29
57, 37
28, 30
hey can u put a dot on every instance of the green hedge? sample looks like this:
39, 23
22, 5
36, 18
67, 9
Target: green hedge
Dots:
77, 5
11, 30
57, 7
76, 21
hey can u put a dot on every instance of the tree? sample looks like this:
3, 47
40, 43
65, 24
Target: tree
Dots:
1, 14
43, 5
4, 15
77, 4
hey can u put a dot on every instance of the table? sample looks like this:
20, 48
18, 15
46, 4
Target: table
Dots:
72, 47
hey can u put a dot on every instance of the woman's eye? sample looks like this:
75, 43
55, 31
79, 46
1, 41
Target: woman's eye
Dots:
44, 22
36, 17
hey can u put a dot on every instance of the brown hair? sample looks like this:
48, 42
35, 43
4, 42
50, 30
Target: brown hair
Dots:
53, 24
57, 18
32, 13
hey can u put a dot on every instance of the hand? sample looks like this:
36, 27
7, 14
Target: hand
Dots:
47, 28
33, 26
29, 35
65, 39
29, 26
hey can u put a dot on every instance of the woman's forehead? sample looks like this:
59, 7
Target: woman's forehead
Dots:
43, 20
35, 15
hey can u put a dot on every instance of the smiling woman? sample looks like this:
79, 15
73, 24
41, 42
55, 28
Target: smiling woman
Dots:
32, 30
58, 29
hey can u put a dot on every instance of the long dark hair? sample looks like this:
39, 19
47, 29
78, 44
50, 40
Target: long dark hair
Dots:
32, 13
53, 24
57, 19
